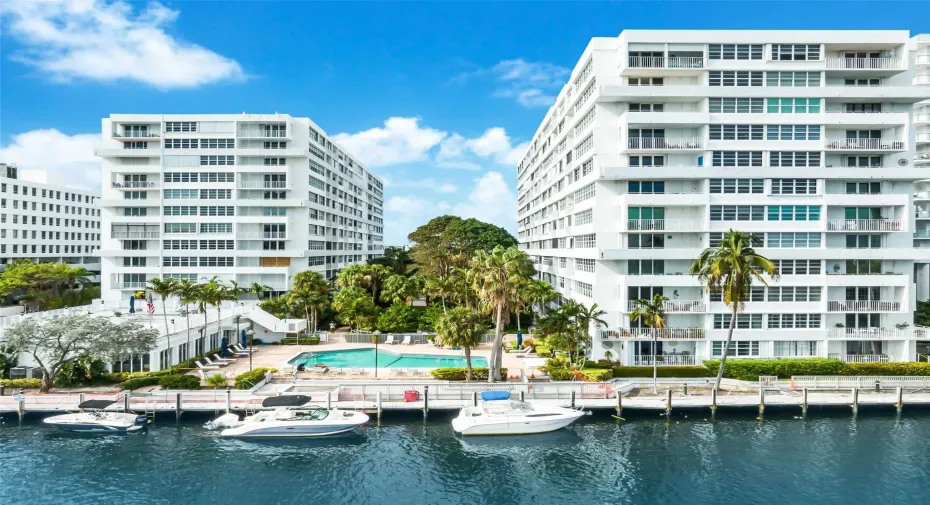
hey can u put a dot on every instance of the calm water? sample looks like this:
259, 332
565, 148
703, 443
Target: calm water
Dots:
828, 459
365, 358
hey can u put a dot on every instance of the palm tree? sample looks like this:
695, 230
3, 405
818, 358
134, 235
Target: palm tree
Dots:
219, 293
462, 327
496, 277
206, 294
437, 287
314, 288
398, 288
652, 314
164, 288
189, 293
730, 269
539, 292
586, 320
258, 289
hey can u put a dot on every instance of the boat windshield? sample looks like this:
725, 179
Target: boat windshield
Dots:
319, 415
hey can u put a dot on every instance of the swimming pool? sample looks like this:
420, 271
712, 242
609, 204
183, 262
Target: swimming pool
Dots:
365, 358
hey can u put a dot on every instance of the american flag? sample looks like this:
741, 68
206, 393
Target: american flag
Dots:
150, 305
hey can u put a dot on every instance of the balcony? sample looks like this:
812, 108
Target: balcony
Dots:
657, 333
877, 333
113, 152
129, 285
676, 306
863, 145
923, 59
265, 134
864, 358
665, 143
672, 62
921, 80
886, 225
866, 64
261, 185
268, 235
137, 135
922, 234
665, 225
135, 234
135, 185
921, 118
864, 306
669, 360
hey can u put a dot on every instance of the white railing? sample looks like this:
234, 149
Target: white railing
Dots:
923, 137
263, 235
864, 358
867, 63
877, 333
134, 234
278, 134
262, 185
135, 135
134, 184
842, 144
647, 62
860, 381
685, 62
130, 285
664, 224
663, 62
669, 360
864, 306
660, 333
676, 306
865, 225
665, 143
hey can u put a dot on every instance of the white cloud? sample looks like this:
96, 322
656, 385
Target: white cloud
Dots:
69, 159
427, 183
532, 84
492, 201
495, 143
400, 140
108, 41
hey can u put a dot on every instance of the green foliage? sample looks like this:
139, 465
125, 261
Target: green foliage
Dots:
560, 374
355, 308
905, 369
448, 242
751, 369
248, 380
587, 374
458, 374
21, 383
922, 314
278, 307
395, 258
81, 372
543, 350
216, 380
8, 359
300, 340
179, 382
399, 318
41, 284
567, 327
662, 371
141, 380
429, 316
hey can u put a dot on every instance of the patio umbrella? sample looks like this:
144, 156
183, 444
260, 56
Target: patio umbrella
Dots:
132, 304
519, 339
245, 342
224, 342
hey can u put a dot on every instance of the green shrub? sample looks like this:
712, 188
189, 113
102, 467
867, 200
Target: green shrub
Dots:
600, 364
560, 374
217, 380
752, 369
458, 374
141, 380
179, 382
587, 374
662, 371
247, 380
300, 340
908, 369
21, 383
543, 350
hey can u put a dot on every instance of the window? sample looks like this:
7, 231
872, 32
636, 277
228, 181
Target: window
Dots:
584, 217
792, 79
135, 211
796, 52
737, 186
792, 321
181, 143
737, 212
734, 51
793, 240
863, 161
584, 146
585, 241
217, 160
134, 262
180, 227
798, 267
863, 107
585, 121
794, 158
647, 241
181, 194
863, 267
737, 158
646, 187
180, 210
863, 241
743, 321
736, 132
794, 293
217, 143
715, 238
794, 186
647, 161
790, 348
185, 126
217, 211
793, 105
215, 194
646, 81
862, 213
584, 193
733, 78
646, 214
647, 107
793, 213
215, 227
875, 81
583, 288
736, 105
584, 265
646, 267
863, 188
756, 294
792, 132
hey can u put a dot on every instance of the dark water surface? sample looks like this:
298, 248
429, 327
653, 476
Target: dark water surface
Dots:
827, 459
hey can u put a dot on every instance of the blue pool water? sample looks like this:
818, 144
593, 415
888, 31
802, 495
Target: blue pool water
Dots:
365, 358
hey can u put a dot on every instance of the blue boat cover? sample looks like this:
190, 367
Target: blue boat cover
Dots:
495, 395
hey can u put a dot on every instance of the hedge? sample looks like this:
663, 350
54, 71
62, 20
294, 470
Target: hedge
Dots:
300, 340
141, 381
179, 382
909, 369
543, 350
458, 374
248, 380
587, 375
752, 369
21, 383
662, 371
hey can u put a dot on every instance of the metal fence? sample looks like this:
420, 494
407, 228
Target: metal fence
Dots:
464, 391
400, 338
831, 381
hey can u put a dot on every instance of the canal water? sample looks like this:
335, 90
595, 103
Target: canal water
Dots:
829, 458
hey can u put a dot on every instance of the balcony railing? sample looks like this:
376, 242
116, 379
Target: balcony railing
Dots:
865, 225
664, 225
864, 306
130, 285
135, 135
864, 145
278, 134
866, 63
864, 358
676, 306
922, 118
665, 143
669, 360
280, 235
923, 59
877, 333
135, 234
262, 185
135, 184
663, 62
658, 333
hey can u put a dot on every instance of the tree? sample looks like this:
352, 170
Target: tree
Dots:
188, 293
496, 277
258, 289
568, 328
165, 288
398, 318
441, 288
730, 269
314, 292
462, 327
8, 359
398, 288
61, 340
40, 283
395, 258
652, 314
538, 293
922, 314
446, 242
355, 307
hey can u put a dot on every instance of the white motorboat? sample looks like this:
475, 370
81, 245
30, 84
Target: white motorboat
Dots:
501, 416
92, 418
289, 418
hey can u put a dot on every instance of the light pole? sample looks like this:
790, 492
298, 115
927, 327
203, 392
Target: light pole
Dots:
375, 337
250, 334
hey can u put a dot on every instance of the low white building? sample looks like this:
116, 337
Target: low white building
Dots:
663, 140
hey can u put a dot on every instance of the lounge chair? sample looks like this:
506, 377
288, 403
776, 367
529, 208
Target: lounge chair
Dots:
356, 371
401, 372
238, 353
525, 350
394, 372
210, 362
245, 349
407, 340
390, 340
216, 357
205, 367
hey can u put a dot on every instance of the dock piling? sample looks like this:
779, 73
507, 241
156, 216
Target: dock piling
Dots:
228, 400
379, 408
522, 396
329, 400
900, 394
178, 401
425, 401
804, 401
21, 405
713, 402
761, 401
474, 398
2, 389
668, 402
80, 398
573, 398
855, 400
619, 404
126, 401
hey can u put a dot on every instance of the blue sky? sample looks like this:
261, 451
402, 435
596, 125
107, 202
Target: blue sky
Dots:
437, 97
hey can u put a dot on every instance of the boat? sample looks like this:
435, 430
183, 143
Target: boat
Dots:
289, 417
499, 415
92, 418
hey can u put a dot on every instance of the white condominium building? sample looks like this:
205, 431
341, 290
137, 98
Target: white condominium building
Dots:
47, 223
243, 197
663, 140
922, 160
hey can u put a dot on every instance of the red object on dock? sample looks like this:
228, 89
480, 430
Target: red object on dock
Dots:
411, 396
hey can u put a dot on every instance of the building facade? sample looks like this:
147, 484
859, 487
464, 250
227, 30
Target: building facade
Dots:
922, 160
663, 140
246, 198
47, 223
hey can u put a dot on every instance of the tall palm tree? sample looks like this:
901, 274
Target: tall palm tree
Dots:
462, 327
189, 293
206, 294
258, 289
731, 268
164, 288
314, 288
538, 293
497, 275
437, 287
586, 320
398, 288
652, 314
